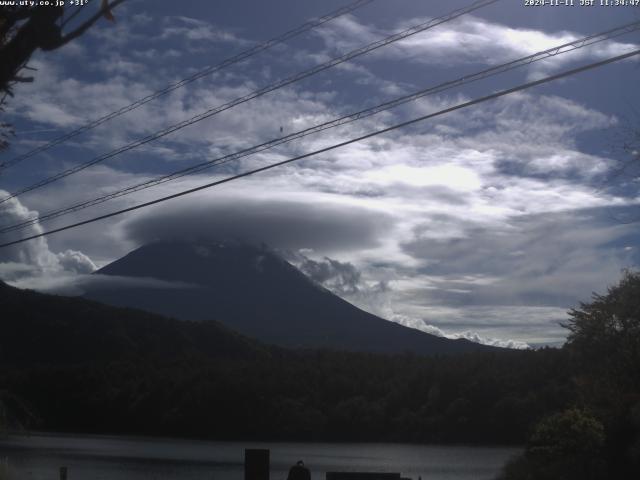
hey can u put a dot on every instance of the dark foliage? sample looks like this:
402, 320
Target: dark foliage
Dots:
84, 367
600, 437
566, 445
27, 28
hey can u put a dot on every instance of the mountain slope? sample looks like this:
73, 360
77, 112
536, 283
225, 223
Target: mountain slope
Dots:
258, 294
47, 329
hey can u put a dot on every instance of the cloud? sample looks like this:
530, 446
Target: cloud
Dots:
74, 284
34, 258
515, 278
468, 40
341, 278
495, 342
279, 222
77, 262
550, 259
345, 280
195, 30
472, 336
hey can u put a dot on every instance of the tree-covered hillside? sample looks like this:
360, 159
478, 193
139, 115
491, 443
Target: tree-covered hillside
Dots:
75, 365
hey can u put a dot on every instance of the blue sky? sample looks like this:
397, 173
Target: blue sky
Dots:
488, 223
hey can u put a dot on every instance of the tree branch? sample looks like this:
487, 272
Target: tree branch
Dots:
70, 17
86, 25
11, 17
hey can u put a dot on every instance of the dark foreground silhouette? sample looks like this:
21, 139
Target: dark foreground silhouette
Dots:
299, 472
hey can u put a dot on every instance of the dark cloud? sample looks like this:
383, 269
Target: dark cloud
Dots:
280, 224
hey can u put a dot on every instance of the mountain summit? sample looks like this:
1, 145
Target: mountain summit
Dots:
255, 292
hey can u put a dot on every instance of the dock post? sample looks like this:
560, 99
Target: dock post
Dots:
256, 464
63, 473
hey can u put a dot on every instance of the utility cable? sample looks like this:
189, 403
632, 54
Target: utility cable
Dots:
192, 78
258, 93
332, 147
528, 60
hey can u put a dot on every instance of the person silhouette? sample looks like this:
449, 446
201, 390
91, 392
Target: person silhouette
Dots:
299, 472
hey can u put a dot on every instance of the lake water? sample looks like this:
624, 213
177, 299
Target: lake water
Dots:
39, 456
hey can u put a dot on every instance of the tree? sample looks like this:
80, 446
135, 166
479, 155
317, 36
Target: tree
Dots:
565, 446
573, 432
27, 28
600, 438
604, 343
604, 340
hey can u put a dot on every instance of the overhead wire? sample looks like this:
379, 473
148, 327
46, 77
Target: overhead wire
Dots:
397, 126
187, 80
346, 119
255, 94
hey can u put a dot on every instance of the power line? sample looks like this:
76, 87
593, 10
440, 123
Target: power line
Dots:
333, 147
524, 61
192, 78
275, 86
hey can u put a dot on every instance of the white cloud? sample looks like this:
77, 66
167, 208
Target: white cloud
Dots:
34, 259
469, 40
472, 336
451, 176
77, 284
495, 342
35, 256
195, 30
76, 262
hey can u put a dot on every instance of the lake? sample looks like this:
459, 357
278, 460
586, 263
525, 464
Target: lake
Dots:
39, 456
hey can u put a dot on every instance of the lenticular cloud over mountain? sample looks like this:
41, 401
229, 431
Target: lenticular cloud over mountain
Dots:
281, 223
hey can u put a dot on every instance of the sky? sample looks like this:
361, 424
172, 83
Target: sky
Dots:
488, 223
